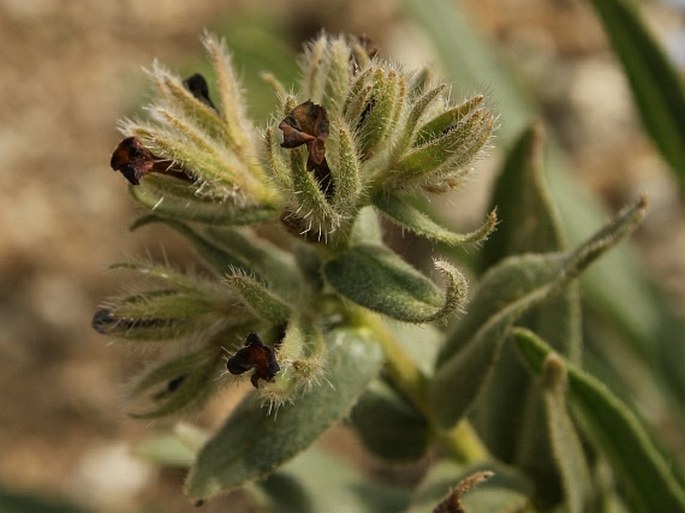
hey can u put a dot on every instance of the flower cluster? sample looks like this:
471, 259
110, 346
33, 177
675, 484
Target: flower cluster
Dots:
361, 137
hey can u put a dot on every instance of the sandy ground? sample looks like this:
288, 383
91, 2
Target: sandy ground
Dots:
69, 70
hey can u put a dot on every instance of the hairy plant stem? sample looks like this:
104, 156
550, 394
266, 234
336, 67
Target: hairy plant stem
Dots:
461, 441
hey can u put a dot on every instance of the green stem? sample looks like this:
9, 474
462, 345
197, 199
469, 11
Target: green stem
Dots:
461, 441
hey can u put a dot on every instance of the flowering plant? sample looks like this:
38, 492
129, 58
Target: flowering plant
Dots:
302, 295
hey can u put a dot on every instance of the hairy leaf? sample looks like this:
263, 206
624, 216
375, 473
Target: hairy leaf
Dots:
252, 443
510, 413
389, 425
617, 431
376, 278
506, 292
400, 210
317, 481
170, 197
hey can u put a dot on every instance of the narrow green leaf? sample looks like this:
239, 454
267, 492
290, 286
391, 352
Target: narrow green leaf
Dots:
221, 260
177, 448
617, 433
388, 425
446, 121
375, 277
420, 105
259, 299
617, 289
529, 222
265, 260
470, 353
173, 198
566, 445
13, 501
655, 82
506, 292
184, 380
311, 216
506, 491
157, 314
510, 412
317, 481
165, 450
399, 209
452, 149
253, 443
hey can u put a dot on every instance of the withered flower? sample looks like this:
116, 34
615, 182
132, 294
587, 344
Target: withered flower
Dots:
254, 355
135, 161
308, 124
197, 85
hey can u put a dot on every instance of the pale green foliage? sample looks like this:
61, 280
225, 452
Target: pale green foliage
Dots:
299, 292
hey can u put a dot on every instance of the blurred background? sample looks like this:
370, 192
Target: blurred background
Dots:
71, 68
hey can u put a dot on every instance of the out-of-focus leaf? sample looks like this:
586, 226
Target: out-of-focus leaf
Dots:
317, 482
375, 277
655, 82
510, 413
507, 491
184, 380
472, 350
12, 501
617, 288
389, 425
176, 449
220, 259
506, 292
566, 445
529, 222
252, 443
616, 431
166, 450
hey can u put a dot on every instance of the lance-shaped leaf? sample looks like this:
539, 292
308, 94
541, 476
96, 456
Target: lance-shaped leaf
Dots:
420, 105
238, 128
382, 109
310, 216
186, 379
157, 314
446, 121
655, 82
506, 292
217, 257
566, 445
530, 222
229, 250
445, 156
319, 481
346, 172
401, 211
253, 443
259, 299
616, 432
507, 490
178, 199
388, 424
375, 277
265, 260
510, 412
191, 96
